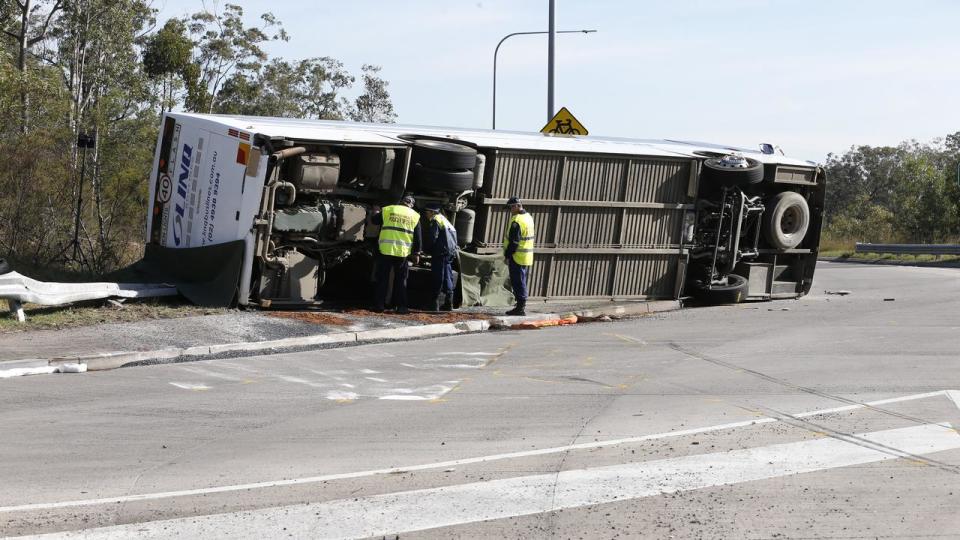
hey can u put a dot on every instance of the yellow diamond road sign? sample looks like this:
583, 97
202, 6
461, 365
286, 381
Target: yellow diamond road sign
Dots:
564, 123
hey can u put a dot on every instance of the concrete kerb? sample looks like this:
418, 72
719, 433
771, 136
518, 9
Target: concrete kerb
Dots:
113, 360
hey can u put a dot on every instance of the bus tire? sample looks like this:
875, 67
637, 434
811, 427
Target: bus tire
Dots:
786, 220
444, 155
734, 292
4, 267
430, 179
715, 172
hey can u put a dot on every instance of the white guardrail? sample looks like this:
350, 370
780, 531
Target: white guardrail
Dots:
910, 249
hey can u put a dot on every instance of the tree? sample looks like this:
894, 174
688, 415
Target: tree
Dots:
906, 193
104, 68
224, 45
166, 58
374, 104
310, 88
21, 21
97, 52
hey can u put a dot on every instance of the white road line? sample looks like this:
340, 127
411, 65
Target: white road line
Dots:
478, 365
424, 509
954, 396
209, 373
190, 386
448, 464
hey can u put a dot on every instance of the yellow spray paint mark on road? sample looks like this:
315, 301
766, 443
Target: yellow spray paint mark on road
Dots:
628, 339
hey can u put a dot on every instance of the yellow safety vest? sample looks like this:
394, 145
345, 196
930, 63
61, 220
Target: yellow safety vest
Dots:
524, 253
396, 233
442, 221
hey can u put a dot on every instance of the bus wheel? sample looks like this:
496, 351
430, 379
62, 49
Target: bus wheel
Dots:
733, 292
444, 155
786, 219
430, 179
732, 171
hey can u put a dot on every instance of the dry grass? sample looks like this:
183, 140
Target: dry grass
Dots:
98, 312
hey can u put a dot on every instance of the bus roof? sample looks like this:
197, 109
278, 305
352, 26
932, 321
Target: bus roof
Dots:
358, 132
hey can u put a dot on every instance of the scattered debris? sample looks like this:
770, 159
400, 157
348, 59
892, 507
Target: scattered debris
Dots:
841, 292
72, 368
430, 317
531, 325
313, 317
43, 370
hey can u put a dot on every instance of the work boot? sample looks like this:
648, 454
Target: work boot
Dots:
517, 310
402, 310
447, 302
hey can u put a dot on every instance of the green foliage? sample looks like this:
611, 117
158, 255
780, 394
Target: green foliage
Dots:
907, 193
104, 68
309, 88
374, 104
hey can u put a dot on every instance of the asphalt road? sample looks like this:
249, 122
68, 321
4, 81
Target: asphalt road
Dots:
826, 417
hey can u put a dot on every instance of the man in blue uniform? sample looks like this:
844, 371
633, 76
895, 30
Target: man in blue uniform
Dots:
518, 252
441, 243
399, 241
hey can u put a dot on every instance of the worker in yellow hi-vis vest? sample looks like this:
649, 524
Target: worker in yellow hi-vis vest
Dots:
399, 242
518, 252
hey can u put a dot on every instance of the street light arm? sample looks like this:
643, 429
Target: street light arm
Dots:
497, 50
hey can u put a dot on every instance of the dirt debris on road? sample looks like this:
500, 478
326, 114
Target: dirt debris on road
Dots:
427, 317
313, 317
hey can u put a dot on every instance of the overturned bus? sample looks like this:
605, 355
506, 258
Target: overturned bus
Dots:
272, 208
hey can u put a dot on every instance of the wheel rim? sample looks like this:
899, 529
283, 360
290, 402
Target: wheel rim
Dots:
733, 162
791, 221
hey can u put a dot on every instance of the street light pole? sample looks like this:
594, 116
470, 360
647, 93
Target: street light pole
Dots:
497, 50
551, 37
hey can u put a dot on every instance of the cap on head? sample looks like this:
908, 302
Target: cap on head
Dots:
513, 201
408, 200
433, 207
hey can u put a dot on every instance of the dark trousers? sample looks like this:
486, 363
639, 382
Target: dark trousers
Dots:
518, 281
441, 274
398, 265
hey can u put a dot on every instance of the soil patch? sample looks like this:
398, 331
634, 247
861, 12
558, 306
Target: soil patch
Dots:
312, 317
425, 317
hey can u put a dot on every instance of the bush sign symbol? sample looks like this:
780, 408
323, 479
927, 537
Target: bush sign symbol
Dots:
564, 123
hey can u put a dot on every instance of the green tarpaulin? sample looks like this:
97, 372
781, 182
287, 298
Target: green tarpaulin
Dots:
485, 280
207, 276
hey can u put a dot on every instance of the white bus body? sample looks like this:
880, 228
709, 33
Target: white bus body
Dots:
299, 194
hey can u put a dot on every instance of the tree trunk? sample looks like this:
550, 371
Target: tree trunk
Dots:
22, 66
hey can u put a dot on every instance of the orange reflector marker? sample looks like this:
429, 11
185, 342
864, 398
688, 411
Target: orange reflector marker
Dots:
243, 153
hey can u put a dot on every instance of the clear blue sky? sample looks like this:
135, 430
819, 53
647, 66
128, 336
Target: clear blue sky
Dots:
814, 76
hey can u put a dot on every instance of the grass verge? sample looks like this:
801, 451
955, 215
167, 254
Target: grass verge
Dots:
98, 312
